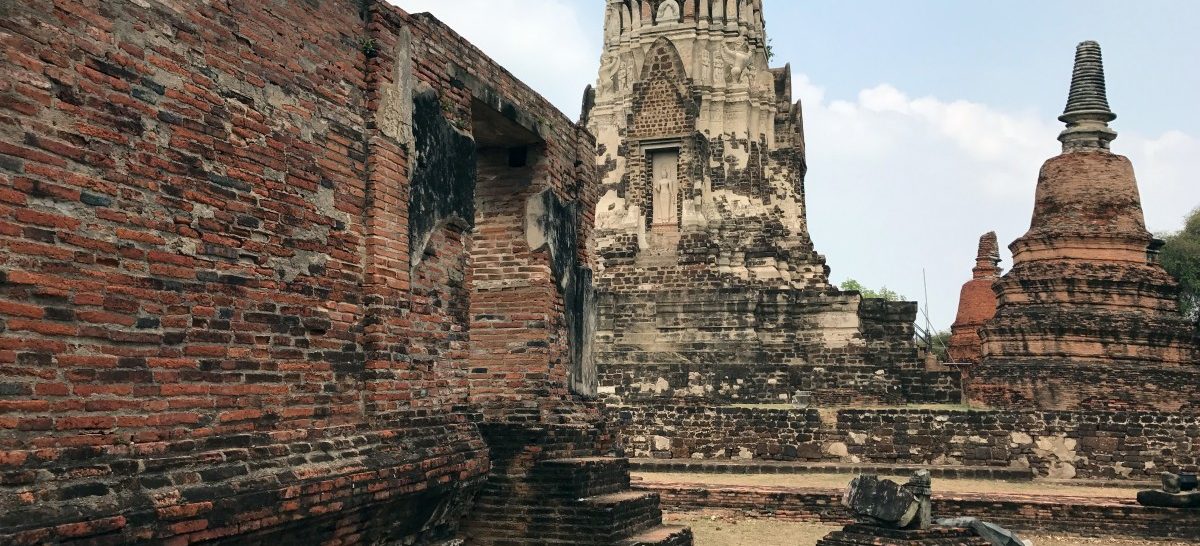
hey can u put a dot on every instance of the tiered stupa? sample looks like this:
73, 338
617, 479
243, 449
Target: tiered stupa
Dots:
710, 285
976, 302
1086, 317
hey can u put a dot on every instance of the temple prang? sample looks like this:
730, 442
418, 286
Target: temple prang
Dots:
707, 274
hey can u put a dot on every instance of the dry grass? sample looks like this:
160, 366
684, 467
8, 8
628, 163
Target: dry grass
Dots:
718, 531
787, 406
839, 481
723, 531
835, 409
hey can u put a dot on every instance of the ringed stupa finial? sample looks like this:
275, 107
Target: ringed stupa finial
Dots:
1087, 113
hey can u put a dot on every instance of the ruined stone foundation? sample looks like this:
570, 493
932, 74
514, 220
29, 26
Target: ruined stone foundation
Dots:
871, 535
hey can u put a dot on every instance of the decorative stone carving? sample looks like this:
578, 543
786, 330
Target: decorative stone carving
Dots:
739, 60
668, 12
720, 74
396, 104
612, 20
609, 68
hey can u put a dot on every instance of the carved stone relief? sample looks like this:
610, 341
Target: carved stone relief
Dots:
665, 175
668, 12
739, 60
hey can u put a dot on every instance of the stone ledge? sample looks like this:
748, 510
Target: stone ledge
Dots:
790, 467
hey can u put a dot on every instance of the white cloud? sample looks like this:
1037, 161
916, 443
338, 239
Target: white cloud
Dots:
896, 183
899, 184
548, 43
1168, 173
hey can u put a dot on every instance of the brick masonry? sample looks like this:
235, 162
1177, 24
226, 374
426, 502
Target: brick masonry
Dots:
269, 267
1061, 445
1087, 317
976, 303
1070, 387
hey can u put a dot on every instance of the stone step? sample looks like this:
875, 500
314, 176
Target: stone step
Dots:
580, 477
584, 501
619, 515
603, 519
662, 535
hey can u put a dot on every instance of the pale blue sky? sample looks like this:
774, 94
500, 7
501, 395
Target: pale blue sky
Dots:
1014, 54
927, 120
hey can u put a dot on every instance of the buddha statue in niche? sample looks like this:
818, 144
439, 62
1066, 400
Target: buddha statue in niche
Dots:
664, 187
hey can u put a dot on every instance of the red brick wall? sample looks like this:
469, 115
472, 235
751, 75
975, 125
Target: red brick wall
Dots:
1088, 445
207, 322
976, 304
1055, 385
511, 304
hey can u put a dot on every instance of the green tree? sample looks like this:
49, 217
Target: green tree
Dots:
884, 292
940, 342
1180, 256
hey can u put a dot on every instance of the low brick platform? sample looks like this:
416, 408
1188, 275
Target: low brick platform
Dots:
1094, 516
580, 500
790, 467
870, 535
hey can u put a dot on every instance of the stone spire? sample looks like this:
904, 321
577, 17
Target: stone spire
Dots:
976, 302
1087, 113
987, 257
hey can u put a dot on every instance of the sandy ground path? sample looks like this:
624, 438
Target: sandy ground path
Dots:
713, 530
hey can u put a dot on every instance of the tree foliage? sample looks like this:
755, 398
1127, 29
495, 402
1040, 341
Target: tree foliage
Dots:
883, 293
939, 344
1180, 256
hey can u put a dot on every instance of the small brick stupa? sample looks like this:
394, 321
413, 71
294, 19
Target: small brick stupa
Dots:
976, 302
1086, 317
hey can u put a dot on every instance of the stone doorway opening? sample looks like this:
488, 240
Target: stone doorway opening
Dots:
509, 303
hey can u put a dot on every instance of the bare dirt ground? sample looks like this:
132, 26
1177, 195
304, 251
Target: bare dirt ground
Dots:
720, 531
839, 481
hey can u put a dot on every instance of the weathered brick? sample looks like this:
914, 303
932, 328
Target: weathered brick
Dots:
210, 296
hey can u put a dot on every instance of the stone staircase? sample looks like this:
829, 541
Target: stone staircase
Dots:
578, 500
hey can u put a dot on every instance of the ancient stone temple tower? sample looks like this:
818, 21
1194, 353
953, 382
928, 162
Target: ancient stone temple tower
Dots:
1086, 312
707, 265
976, 302
697, 136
